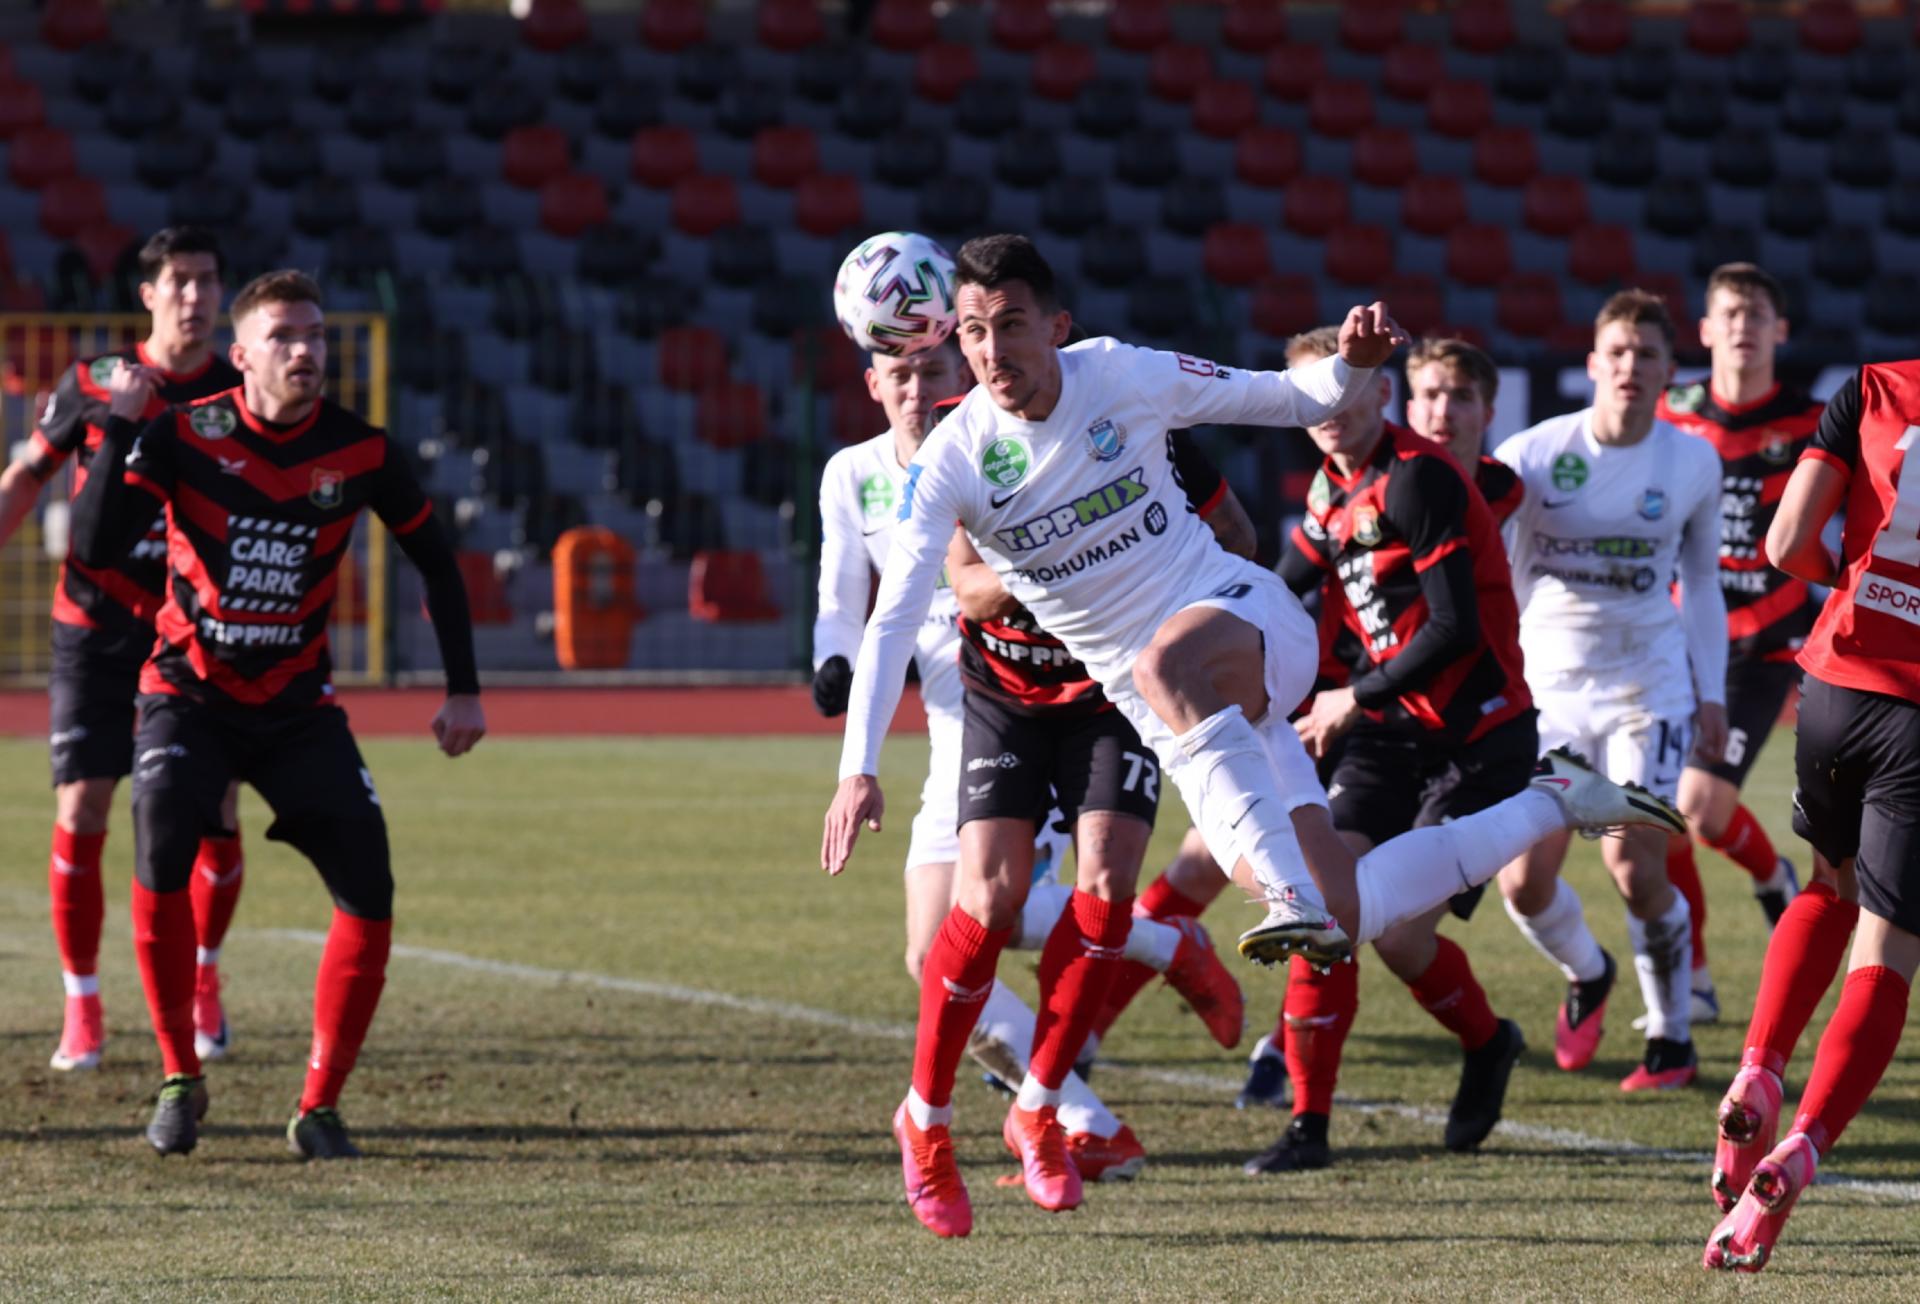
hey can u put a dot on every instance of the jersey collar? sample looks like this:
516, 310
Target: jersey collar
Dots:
172, 377
268, 430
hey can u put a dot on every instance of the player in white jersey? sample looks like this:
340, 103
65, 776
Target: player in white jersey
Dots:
1058, 466
1619, 504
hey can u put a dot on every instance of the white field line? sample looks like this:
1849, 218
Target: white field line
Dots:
1558, 1137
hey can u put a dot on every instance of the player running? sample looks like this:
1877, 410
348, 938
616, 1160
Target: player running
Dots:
1857, 801
1616, 504
1059, 468
102, 632
262, 486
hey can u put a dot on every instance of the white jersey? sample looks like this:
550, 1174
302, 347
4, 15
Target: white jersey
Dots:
1602, 534
860, 496
1081, 514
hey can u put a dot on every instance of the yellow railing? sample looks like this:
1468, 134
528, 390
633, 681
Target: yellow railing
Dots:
36, 348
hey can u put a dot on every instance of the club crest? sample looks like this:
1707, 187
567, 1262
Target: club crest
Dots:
327, 488
212, 422
1653, 504
1366, 525
1105, 440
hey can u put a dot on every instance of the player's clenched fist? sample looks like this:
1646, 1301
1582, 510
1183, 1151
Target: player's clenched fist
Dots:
1369, 336
858, 801
131, 389
460, 724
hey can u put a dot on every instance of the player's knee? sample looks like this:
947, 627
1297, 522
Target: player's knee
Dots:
83, 806
1526, 891
1156, 673
993, 903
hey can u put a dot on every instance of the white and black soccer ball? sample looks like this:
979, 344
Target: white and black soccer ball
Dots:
894, 294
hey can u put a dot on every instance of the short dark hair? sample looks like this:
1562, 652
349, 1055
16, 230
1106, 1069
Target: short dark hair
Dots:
284, 286
1637, 308
171, 241
1748, 280
1460, 356
990, 261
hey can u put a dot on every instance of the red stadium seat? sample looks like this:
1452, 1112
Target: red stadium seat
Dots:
21, 105
904, 25
1601, 255
1284, 306
1021, 24
1225, 109
1061, 69
1599, 27
790, 25
486, 593
1253, 26
1340, 108
1555, 205
1371, 26
725, 587
731, 416
827, 205
1359, 255
1717, 27
824, 354
1267, 156
1292, 71
1433, 205
1139, 25
1528, 305
532, 156
572, 203
693, 359
1482, 26
1313, 206
1385, 156
1505, 156
1410, 72
39, 155
1176, 71
941, 69
671, 25
1460, 109
1830, 27
69, 205
1416, 301
663, 156
553, 25
73, 24
1571, 337
101, 246
1478, 255
1235, 253
785, 156
704, 204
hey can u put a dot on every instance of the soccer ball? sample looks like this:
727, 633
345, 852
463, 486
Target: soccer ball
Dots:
894, 294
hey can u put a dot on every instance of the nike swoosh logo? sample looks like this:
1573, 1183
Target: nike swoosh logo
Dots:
1248, 811
875, 530
998, 503
1549, 504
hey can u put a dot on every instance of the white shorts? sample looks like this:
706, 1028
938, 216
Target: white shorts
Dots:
936, 829
1632, 720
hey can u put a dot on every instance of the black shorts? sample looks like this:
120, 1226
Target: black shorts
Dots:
1857, 768
1757, 692
90, 702
1018, 766
304, 763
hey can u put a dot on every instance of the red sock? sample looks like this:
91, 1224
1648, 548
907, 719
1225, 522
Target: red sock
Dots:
1854, 1053
1317, 1016
1076, 970
217, 873
1162, 900
79, 899
954, 981
1453, 996
353, 969
1684, 874
1747, 845
1804, 954
163, 944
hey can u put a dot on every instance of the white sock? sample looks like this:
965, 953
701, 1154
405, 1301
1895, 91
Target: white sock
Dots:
1661, 956
1046, 902
80, 984
1561, 934
1034, 1096
1082, 1111
1004, 1033
1409, 875
1152, 943
924, 1115
1233, 790
206, 956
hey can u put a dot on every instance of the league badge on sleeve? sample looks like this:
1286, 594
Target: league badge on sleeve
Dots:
1106, 440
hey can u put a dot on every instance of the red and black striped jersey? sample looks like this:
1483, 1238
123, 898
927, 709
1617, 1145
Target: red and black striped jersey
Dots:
259, 517
118, 600
1501, 486
1768, 612
1373, 536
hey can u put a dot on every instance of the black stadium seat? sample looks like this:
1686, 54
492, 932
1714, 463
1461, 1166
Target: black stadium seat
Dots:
1528, 74
412, 157
216, 201
1743, 156
1072, 204
1814, 110
870, 108
1149, 157
624, 107
1844, 256
1106, 108
585, 70
1762, 73
702, 73
1696, 110
748, 107
742, 256
1676, 206
1027, 158
1579, 109
953, 204
503, 104
1728, 242
1861, 158
457, 69
1112, 256
614, 254
988, 107
324, 204
1161, 307
165, 157
1893, 305
1628, 156
910, 156
1643, 74
1900, 206
1796, 206
379, 107
1192, 204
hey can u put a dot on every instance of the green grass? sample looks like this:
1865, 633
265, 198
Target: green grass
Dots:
529, 1139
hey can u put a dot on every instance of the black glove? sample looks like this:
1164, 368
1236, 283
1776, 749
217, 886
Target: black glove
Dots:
832, 683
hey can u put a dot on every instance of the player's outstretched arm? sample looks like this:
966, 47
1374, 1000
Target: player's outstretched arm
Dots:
114, 509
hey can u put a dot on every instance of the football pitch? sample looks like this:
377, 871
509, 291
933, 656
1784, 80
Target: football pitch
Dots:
635, 1045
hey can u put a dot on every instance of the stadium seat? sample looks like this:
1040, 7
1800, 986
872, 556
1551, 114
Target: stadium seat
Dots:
1027, 158
1291, 72
827, 205
1340, 108
953, 205
748, 106
1225, 110
903, 26
1266, 156
909, 156
1139, 25
1762, 73
1313, 206
74, 24
1460, 109
287, 157
1528, 305
554, 25
1060, 70
139, 105
693, 359
358, 255
1371, 26
1160, 307
1844, 256
503, 104
664, 156
1107, 107
870, 108
789, 25
1676, 206
1628, 156
1900, 206
703, 204
1505, 156
1643, 75
1696, 110
988, 108
573, 203
624, 106
822, 73
731, 415
105, 249
1554, 205
1071, 204
486, 591
448, 204
1742, 156
1482, 26
456, 69
670, 26
1796, 206
1284, 306
653, 305
378, 107
1253, 26
1723, 243
729, 587
1410, 72
742, 256
532, 156
704, 73
856, 416
1527, 74
1149, 157
1021, 25
215, 201
784, 156
1830, 27
646, 471
1877, 73
1814, 110
1599, 27
1478, 255
1893, 305
1235, 253
1861, 158
1111, 256
602, 415
256, 108
1385, 156
323, 204
21, 106
940, 71
783, 305
1433, 205
1191, 205
1417, 302
100, 69
1579, 109
1717, 27
1359, 255
1176, 71
38, 155
1601, 254
162, 159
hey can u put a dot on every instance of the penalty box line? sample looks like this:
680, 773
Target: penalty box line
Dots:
1557, 1137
